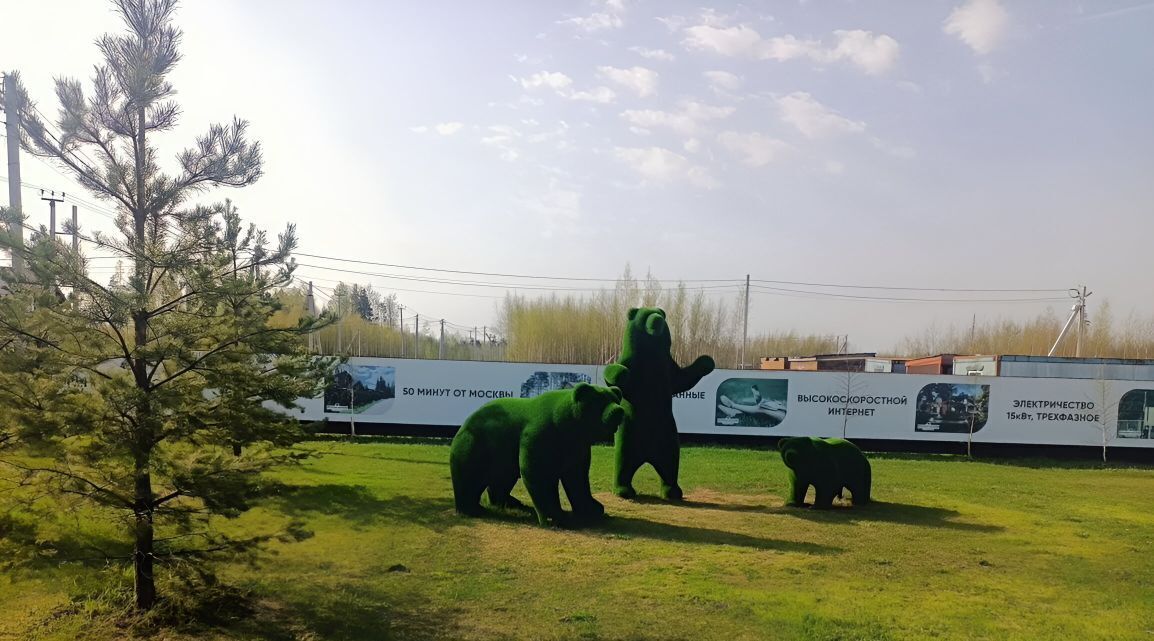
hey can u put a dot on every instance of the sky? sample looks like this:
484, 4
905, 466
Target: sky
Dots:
976, 144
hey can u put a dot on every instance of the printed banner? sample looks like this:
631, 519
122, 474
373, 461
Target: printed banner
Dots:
774, 403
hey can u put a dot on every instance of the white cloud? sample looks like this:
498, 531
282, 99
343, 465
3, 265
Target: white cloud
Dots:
872, 53
661, 165
673, 23
755, 150
640, 80
813, 119
501, 137
554, 80
420, 129
739, 41
609, 18
723, 80
911, 86
596, 22
687, 120
693, 145
981, 24
562, 85
448, 128
653, 54
603, 95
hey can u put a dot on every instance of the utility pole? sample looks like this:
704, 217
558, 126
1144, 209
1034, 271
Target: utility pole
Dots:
1077, 313
310, 309
441, 347
1082, 295
352, 407
401, 325
12, 132
745, 326
340, 336
484, 341
75, 231
52, 200
417, 337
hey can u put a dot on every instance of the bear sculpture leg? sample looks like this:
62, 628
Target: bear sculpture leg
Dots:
628, 460
667, 461
575, 480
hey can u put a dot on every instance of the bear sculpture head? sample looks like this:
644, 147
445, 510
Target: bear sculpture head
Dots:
795, 452
647, 331
600, 408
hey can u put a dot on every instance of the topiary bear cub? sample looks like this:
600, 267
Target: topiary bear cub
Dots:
544, 440
828, 464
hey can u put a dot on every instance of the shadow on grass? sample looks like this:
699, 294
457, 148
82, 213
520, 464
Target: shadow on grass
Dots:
703, 505
395, 459
349, 613
642, 528
27, 549
360, 506
885, 512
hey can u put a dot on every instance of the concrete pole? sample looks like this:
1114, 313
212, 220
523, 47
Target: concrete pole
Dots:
441, 347
12, 131
75, 231
745, 327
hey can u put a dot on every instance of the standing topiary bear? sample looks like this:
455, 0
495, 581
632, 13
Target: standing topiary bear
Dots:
828, 464
545, 440
649, 377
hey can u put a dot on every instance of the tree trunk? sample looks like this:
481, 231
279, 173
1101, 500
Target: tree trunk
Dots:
142, 556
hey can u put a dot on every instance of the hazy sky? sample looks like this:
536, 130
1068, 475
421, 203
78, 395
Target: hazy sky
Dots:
976, 144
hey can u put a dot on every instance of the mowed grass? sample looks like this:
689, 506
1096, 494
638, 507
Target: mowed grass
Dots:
952, 549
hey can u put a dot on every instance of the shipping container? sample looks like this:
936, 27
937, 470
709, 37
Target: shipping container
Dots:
879, 365
1118, 369
774, 362
940, 364
976, 365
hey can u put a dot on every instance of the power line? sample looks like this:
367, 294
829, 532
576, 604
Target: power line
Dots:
802, 293
912, 289
443, 281
500, 275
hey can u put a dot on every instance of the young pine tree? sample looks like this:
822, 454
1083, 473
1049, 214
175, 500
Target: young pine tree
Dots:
150, 396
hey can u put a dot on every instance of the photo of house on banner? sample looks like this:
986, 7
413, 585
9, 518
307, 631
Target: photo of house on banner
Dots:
361, 389
1136, 414
947, 407
751, 402
541, 382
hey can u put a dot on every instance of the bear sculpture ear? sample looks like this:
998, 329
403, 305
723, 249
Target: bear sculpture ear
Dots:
662, 312
582, 392
616, 393
788, 456
632, 313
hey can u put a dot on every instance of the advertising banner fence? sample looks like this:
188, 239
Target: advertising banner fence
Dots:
1048, 411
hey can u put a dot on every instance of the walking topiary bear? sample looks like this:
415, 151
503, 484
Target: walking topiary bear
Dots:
829, 465
544, 440
649, 378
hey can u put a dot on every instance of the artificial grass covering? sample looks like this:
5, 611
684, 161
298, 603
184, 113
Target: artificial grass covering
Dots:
949, 549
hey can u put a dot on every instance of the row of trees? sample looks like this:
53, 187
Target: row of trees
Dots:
1105, 337
587, 329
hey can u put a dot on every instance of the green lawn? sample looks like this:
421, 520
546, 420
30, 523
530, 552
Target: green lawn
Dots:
952, 550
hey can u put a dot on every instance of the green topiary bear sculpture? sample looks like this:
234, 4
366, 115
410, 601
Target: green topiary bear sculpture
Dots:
829, 465
544, 440
648, 378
